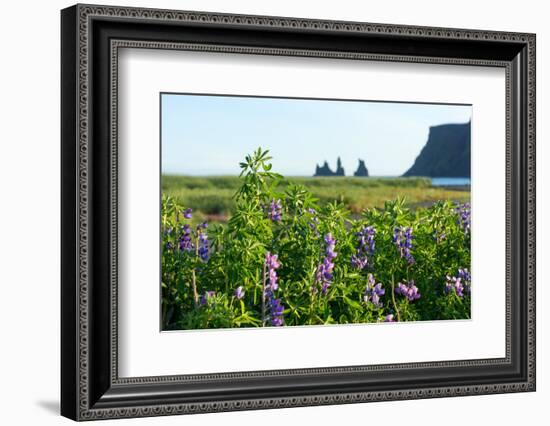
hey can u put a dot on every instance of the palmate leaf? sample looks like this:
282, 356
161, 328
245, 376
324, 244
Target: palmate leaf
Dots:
353, 303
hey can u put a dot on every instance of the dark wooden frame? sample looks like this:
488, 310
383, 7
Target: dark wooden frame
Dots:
90, 386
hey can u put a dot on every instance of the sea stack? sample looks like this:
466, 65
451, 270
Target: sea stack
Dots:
339, 168
362, 170
326, 171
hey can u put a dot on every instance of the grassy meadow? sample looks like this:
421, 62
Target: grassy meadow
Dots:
212, 196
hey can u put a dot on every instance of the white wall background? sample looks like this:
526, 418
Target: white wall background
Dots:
29, 214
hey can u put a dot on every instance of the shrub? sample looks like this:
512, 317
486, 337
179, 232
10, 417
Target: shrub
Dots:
284, 260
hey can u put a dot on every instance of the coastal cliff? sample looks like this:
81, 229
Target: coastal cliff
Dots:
446, 153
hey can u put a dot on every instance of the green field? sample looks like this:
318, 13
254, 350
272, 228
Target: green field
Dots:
211, 197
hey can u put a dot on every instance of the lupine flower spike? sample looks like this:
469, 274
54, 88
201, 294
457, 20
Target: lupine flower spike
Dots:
464, 217
186, 242
373, 292
365, 247
409, 290
314, 221
460, 284
402, 238
204, 247
275, 210
274, 306
324, 270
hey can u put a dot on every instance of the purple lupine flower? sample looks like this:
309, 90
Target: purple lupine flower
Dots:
187, 213
324, 270
402, 238
272, 275
276, 309
459, 284
186, 241
272, 261
409, 290
275, 210
272, 264
464, 274
373, 291
169, 245
439, 236
464, 217
314, 221
331, 244
326, 279
203, 298
365, 247
454, 284
359, 262
389, 318
204, 247
239, 292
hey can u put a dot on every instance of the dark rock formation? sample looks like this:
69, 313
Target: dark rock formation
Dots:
323, 171
362, 170
446, 153
326, 171
339, 168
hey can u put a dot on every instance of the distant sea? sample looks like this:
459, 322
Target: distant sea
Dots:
450, 181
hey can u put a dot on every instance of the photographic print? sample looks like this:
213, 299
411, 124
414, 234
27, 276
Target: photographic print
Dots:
264, 182
294, 212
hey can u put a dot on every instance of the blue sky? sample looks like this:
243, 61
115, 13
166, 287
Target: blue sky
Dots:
210, 135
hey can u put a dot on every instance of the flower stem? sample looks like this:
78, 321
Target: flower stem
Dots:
194, 281
263, 297
393, 298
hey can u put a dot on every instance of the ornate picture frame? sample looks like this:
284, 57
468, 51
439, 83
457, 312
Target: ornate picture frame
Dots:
91, 37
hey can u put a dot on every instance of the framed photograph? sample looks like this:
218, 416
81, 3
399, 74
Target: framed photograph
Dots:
263, 212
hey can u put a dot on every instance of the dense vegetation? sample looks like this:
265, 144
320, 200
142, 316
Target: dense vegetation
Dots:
284, 260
